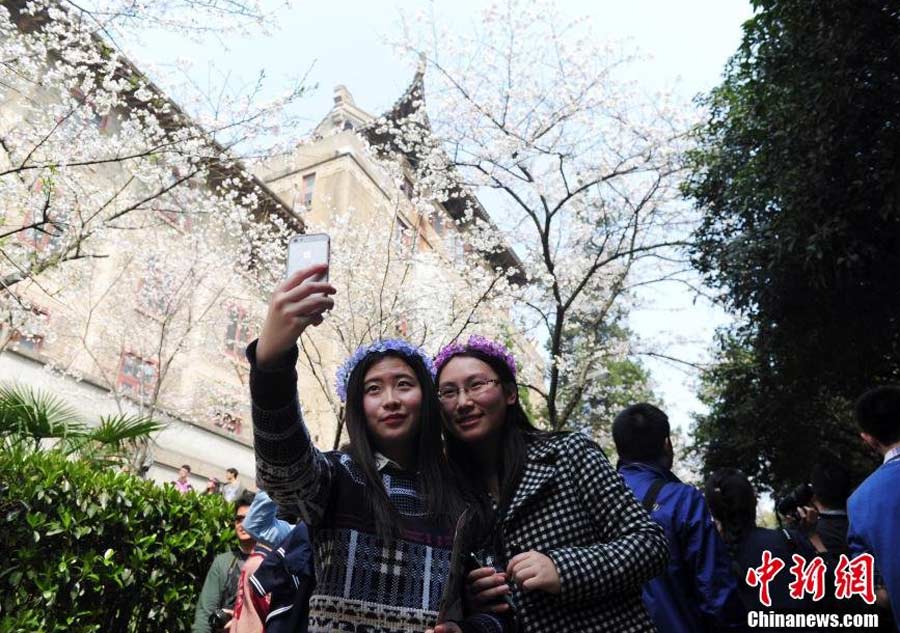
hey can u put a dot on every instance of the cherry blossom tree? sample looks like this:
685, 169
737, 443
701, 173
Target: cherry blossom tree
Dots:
535, 114
86, 139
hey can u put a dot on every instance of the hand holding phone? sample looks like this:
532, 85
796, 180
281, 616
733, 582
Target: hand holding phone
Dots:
298, 302
486, 586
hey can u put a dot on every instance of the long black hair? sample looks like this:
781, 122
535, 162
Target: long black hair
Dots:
439, 488
732, 502
516, 433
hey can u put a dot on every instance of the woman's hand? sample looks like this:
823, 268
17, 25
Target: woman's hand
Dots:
297, 303
533, 570
485, 588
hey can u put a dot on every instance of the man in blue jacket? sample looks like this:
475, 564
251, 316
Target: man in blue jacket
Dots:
874, 508
698, 591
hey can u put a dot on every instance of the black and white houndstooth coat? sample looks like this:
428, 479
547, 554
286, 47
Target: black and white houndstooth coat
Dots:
573, 506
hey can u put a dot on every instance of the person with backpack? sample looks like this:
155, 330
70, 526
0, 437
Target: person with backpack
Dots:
251, 608
286, 575
732, 501
874, 507
698, 591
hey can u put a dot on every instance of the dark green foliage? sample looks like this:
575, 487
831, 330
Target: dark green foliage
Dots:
740, 431
89, 549
797, 176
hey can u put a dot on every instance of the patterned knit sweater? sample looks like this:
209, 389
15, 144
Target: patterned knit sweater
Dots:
363, 583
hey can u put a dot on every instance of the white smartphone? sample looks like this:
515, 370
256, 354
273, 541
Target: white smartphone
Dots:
307, 250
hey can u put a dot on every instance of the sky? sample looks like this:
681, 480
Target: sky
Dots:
686, 45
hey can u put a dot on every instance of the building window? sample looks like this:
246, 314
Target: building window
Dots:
155, 289
72, 125
100, 121
456, 249
32, 339
137, 376
228, 422
307, 189
407, 187
403, 235
437, 223
238, 332
27, 342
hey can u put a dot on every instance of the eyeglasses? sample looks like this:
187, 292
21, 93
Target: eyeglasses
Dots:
473, 389
239, 518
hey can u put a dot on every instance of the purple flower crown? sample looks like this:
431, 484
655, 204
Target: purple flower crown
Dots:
342, 378
477, 343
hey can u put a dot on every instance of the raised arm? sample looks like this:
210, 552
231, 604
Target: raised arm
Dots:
288, 465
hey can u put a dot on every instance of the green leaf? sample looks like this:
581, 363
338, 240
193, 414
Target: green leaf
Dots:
26, 413
115, 431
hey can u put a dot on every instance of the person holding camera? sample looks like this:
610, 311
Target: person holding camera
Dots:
819, 508
215, 604
575, 546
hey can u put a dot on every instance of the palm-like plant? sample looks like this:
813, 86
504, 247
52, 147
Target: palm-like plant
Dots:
32, 419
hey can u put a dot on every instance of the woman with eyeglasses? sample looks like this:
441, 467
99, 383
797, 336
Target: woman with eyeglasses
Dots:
577, 544
382, 516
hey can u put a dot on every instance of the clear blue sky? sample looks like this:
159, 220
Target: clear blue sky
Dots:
687, 42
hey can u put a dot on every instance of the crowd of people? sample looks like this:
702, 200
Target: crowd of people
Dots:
230, 489
450, 512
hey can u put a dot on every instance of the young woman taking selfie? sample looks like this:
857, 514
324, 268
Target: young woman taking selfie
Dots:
382, 516
577, 544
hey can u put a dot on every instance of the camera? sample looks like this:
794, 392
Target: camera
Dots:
218, 619
800, 496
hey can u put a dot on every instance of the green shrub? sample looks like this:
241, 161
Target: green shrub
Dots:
89, 549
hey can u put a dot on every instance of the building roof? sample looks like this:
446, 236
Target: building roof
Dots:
408, 110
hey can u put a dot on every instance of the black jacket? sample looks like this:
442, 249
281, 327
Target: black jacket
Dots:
572, 506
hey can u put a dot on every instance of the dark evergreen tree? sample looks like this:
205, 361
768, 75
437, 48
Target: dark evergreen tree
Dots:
797, 176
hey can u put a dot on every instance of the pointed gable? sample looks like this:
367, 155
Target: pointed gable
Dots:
406, 130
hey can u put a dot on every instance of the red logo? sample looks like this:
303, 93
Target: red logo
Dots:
851, 577
855, 577
808, 579
761, 576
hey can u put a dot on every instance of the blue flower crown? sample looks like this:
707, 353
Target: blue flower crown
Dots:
387, 345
